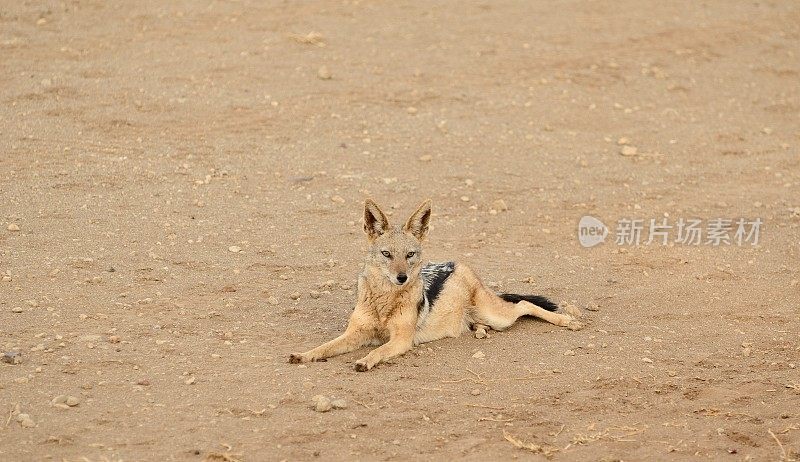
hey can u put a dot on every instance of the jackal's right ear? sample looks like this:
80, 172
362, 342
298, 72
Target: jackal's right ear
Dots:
375, 222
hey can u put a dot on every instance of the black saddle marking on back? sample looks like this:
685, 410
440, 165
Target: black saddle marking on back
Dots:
434, 275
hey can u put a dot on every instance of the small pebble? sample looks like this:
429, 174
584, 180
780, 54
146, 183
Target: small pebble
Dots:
190, 381
571, 310
479, 355
16, 309
25, 421
324, 73
480, 332
500, 205
314, 294
647, 360
12, 357
569, 353
628, 150
273, 300
294, 295
13, 227
235, 249
475, 392
426, 158
60, 401
339, 404
72, 401
6, 278
321, 403
411, 110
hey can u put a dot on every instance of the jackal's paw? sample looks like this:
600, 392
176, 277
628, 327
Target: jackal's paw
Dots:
575, 324
481, 331
297, 358
361, 366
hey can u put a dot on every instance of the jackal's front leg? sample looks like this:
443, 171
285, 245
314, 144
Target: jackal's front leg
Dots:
400, 341
352, 339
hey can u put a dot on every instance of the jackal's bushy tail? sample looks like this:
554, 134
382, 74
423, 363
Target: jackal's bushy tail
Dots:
537, 300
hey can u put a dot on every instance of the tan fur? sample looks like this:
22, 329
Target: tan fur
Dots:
386, 311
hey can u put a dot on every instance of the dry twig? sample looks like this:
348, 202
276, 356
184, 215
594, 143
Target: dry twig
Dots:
485, 406
311, 38
535, 448
221, 457
14, 410
362, 404
783, 450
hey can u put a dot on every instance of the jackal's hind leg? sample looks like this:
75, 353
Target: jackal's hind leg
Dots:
559, 319
499, 314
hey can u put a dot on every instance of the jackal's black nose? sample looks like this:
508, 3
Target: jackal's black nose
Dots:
402, 278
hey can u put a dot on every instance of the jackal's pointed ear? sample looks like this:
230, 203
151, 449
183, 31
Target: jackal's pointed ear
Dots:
417, 224
375, 222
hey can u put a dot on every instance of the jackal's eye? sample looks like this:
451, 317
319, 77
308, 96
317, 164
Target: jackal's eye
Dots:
410, 254
386, 253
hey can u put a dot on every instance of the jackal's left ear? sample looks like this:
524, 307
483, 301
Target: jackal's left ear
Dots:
417, 224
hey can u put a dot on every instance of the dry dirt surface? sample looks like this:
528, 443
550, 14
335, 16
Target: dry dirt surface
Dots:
181, 190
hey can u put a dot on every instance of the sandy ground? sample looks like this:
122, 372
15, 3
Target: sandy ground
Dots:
141, 141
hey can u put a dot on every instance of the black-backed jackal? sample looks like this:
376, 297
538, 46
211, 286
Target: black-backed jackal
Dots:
402, 303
